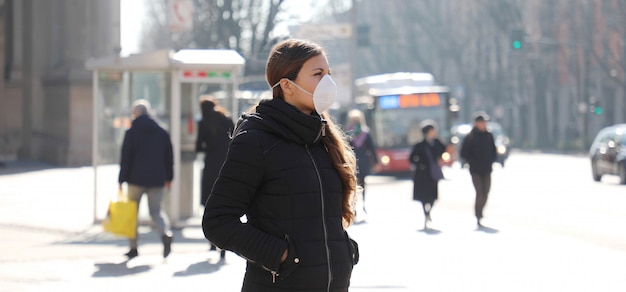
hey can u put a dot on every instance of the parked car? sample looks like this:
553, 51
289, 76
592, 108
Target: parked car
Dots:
502, 141
608, 153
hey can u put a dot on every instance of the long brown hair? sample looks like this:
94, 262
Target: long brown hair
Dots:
285, 61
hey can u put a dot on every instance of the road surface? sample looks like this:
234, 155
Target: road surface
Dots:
550, 228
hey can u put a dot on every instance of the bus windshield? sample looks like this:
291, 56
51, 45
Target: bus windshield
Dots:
399, 127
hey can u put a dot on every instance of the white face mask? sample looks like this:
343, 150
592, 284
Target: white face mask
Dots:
324, 95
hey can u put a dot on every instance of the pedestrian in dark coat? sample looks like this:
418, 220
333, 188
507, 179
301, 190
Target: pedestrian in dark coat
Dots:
214, 132
292, 173
364, 148
425, 158
213, 138
479, 150
147, 167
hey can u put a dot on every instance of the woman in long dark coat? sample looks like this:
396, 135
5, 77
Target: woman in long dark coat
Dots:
425, 158
213, 137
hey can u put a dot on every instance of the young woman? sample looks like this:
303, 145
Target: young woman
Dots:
291, 171
425, 157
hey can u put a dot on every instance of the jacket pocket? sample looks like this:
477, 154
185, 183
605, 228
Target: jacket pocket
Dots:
353, 248
291, 264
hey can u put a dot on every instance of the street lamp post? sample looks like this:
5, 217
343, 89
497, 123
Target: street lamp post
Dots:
352, 53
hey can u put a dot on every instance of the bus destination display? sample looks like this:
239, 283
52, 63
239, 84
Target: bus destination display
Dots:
409, 100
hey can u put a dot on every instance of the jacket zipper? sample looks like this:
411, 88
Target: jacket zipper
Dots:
322, 132
319, 178
274, 273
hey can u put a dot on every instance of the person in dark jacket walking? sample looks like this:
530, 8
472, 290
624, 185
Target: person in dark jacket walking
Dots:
213, 138
479, 151
292, 173
364, 148
147, 167
425, 159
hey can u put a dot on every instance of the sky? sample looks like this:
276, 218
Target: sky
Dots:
133, 13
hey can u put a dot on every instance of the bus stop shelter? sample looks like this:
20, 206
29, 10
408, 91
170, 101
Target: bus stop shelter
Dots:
171, 82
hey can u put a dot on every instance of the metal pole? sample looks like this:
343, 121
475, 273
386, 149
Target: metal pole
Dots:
94, 142
175, 116
235, 85
352, 53
29, 80
4, 39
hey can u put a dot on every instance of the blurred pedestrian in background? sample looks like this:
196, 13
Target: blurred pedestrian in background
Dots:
479, 151
291, 171
214, 132
425, 157
147, 166
364, 148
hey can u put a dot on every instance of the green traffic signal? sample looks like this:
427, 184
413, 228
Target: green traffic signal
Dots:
598, 110
517, 39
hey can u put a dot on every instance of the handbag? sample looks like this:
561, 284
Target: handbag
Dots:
121, 218
433, 167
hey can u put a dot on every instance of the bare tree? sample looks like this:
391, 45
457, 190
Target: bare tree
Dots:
242, 25
574, 53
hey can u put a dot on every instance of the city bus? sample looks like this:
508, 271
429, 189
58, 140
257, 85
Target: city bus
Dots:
396, 107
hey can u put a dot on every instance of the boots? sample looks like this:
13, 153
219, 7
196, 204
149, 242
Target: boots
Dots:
133, 253
167, 245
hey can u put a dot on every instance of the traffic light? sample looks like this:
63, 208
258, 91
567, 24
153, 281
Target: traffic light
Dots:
598, 111
517, 39
595, 107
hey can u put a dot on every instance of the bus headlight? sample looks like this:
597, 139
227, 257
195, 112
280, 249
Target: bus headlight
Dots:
385, 160
446, 157
501, 150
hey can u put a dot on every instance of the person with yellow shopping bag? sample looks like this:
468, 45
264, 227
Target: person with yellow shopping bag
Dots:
147, 167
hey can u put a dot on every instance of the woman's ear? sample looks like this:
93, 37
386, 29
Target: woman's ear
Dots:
285, 85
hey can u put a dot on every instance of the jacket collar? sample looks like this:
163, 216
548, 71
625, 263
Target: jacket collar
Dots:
285, 120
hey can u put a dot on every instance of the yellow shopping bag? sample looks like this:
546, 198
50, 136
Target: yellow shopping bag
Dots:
122, 216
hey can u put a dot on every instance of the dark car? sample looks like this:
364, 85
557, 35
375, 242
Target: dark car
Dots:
608, 153
502, 141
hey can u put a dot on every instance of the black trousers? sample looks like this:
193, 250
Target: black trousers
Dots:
482, 184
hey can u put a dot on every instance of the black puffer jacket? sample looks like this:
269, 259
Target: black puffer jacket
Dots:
280, 176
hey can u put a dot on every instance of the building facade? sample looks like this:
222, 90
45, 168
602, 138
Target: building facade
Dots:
45, 90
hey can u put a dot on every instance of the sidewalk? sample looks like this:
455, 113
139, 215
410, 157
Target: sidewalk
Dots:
35, 195
49, 241
91, 260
